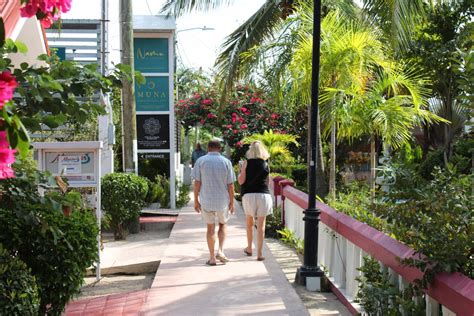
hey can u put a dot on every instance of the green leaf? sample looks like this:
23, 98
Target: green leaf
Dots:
21, 47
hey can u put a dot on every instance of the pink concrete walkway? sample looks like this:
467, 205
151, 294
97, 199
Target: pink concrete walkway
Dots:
184, 285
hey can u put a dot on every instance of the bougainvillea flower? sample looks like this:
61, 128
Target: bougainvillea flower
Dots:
274, 116
243, 126
50, 9
210, 115
7, 87
229, 126
207, 102
7, 157
239, 144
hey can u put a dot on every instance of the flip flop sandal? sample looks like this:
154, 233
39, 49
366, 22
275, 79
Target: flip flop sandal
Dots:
261, 258
248, 253
222, 258
209, 263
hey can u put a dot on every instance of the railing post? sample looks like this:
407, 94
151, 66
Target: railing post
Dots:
277, 188
282, 184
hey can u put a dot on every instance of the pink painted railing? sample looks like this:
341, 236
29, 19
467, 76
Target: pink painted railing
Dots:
343, 241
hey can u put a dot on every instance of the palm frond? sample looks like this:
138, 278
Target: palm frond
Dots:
179, 7
256, 30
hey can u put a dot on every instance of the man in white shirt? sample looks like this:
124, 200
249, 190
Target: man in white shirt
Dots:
214, 180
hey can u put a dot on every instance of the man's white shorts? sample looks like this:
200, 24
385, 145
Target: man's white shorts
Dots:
257, 204
212, 217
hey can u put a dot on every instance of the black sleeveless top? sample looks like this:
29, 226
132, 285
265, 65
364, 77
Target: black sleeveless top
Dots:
256, 180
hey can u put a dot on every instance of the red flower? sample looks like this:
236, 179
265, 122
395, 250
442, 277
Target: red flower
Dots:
235, 131
229, 126
239, 144
197, 96
234, 119
207, 102
243, 126
7, 157
275, 116
210, 115
7, 87
202, 121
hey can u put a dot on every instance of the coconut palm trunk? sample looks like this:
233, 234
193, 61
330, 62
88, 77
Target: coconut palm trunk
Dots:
373, 165
332, 170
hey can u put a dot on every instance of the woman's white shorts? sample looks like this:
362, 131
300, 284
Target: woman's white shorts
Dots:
257, 204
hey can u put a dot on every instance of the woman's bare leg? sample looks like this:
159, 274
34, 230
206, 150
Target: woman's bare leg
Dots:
260, 235
249, 233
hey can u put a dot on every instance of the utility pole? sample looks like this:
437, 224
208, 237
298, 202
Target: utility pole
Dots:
129, 121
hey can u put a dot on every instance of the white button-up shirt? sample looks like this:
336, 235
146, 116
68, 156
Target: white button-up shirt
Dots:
215, 173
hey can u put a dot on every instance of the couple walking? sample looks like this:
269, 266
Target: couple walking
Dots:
214, 180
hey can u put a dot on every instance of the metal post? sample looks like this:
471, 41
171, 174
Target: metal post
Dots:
129, 119
310, 268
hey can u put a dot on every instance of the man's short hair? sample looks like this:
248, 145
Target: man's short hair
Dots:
214, 144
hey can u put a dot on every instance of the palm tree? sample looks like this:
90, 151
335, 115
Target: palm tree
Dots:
393, 104
276, 144
349, 53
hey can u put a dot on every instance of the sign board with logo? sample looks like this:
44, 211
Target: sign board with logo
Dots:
153, 95
153, 131
154, 38
80, 164
151, 55
76, 167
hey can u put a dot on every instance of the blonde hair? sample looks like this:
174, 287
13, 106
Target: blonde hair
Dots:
257, 151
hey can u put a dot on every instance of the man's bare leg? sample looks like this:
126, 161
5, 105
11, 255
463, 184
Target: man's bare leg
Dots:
222, 233
211, 241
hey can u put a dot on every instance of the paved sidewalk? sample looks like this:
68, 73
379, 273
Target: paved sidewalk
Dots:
184, 285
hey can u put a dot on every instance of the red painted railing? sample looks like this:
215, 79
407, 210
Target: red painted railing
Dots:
453, 290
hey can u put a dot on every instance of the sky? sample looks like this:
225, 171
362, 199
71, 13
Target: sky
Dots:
195, 48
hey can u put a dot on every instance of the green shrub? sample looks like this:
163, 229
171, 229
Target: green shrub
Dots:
432, 160
163, 190
18, 289
56, 248
273, 223
183, 196
123, 196
436, 220
378, 296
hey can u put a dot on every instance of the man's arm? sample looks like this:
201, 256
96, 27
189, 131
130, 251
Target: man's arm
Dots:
197, 188
230, 189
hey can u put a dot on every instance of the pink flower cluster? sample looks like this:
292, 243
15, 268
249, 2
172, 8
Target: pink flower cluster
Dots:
47, 11
7, 87
7, 157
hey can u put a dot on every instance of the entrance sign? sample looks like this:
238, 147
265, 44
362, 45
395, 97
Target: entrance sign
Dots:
151, 55
151, 163
80, 164
153, 95
154, 40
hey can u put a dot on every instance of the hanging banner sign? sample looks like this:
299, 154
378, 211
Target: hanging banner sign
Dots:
153, 131
151, 55
153, 95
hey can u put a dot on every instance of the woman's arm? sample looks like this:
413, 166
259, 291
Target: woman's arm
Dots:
243, 173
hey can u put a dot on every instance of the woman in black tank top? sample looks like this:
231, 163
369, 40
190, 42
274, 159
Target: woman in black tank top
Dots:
256, 199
